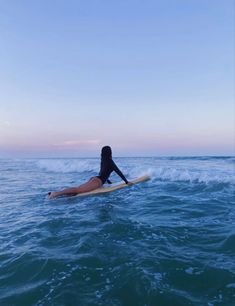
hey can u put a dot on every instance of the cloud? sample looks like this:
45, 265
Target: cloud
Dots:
69, 143
5, 123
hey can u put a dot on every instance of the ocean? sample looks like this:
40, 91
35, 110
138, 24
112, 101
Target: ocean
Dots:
169, 241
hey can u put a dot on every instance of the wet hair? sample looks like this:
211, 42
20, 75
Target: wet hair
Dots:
106, 153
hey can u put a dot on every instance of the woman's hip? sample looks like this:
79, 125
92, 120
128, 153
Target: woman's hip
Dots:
96, 179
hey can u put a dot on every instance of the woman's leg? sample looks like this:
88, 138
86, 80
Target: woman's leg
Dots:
92, 184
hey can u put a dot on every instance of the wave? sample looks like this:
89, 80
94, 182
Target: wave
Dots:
189, 172
68, 165
186, 175
172, 174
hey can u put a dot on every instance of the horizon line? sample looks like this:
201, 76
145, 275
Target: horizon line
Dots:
139, 156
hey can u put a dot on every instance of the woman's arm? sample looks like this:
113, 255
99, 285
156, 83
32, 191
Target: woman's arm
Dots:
119, 172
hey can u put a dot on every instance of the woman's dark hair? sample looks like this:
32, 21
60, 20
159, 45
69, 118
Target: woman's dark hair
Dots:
106, 153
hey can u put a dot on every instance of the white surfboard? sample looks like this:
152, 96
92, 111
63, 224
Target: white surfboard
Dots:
115, 187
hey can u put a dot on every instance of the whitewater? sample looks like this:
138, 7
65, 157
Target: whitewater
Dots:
168, 241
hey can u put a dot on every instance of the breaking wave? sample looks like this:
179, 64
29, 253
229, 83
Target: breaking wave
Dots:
159, 169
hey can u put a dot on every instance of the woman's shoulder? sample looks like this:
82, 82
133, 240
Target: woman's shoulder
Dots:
109, 162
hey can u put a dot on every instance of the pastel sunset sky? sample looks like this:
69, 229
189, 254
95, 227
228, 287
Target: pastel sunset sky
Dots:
146, 77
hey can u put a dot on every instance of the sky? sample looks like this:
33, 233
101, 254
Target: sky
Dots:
148, 78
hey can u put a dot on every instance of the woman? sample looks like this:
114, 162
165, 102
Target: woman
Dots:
106, 168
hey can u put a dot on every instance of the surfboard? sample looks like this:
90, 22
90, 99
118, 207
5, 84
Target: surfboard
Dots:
115, 187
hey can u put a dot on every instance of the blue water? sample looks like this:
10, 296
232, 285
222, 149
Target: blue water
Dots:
168, 241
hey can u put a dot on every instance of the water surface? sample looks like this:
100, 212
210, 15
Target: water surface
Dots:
168, 241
